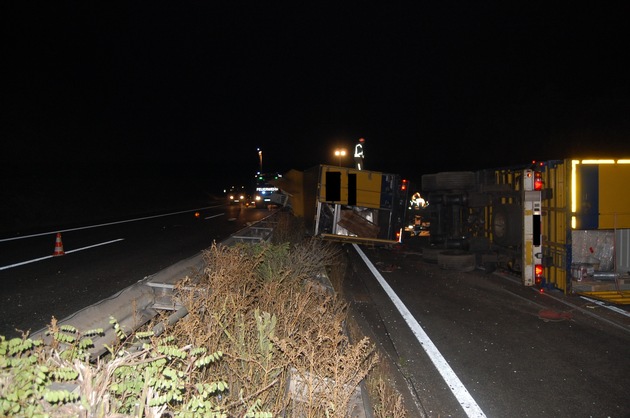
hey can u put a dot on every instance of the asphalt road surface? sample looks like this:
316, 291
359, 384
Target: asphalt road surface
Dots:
102, 259
513, 351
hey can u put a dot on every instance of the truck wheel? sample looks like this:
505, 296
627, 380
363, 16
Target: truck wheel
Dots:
506, 225
456, 260
455, 180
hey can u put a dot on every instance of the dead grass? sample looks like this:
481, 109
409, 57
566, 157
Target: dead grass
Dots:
279, 326
269, 308
387, 401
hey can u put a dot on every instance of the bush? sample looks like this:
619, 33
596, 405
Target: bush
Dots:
264, 336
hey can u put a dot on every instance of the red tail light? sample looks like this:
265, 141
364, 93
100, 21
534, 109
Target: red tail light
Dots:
538, 181
538, 272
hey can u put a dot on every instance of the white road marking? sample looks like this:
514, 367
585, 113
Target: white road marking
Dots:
51, 256
604, 305
461, 393
214, 216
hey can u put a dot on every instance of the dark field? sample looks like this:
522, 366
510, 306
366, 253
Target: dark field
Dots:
65, 196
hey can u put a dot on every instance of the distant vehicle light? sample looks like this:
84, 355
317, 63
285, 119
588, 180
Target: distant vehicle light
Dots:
197, 214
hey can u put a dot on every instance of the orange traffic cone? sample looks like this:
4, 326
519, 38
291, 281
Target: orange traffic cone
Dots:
58, 245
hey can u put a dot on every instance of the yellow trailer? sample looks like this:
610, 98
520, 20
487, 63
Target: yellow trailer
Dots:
347, 204
586, 227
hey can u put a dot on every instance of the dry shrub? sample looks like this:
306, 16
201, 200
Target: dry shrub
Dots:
326, 373
288, 228
337, 272
387, 402
277, 324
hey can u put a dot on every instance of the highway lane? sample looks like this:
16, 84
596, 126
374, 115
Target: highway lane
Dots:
499, 338
102, 259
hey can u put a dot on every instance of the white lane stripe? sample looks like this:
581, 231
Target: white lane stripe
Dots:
604, 305
461, 393
95, 245
107, 224
50, 256
214, 216
25, 262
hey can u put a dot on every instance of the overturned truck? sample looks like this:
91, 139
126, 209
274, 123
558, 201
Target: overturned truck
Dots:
561, 224
346, 204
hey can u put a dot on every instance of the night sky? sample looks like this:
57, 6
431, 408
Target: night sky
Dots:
189, 89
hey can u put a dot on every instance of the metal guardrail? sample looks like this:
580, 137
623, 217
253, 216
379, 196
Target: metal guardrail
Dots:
137, 304
250, 235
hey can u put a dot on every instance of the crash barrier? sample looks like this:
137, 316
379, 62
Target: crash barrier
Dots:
251, 235
137, 304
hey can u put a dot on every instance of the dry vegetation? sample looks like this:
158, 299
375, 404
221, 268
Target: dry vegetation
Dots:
264, 336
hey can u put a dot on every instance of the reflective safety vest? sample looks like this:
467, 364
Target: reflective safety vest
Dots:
358, 150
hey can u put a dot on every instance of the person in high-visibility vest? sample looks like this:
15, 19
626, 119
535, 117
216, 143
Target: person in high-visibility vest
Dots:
358, 154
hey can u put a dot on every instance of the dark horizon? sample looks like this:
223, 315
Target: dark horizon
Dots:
185, 93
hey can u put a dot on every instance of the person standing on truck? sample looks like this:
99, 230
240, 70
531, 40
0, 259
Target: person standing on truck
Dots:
358, 154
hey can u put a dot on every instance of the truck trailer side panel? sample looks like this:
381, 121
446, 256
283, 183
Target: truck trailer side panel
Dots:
586, 217
614, 200
556, 224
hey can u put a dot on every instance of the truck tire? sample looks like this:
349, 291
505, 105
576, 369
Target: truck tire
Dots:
456, 260
506, 225
455, 180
